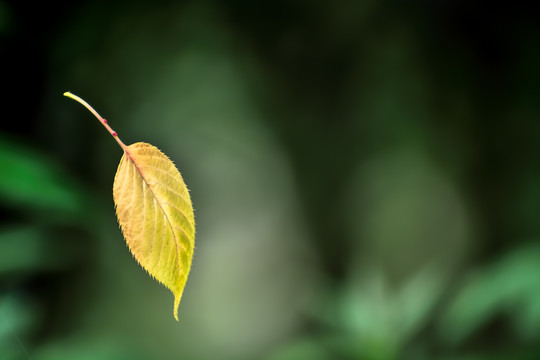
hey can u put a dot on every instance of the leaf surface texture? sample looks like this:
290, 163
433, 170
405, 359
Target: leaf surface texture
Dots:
156, 215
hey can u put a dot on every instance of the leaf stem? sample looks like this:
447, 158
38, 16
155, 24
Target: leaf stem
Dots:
101, 120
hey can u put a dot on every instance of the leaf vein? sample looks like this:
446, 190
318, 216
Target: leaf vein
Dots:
169, 175
161, 207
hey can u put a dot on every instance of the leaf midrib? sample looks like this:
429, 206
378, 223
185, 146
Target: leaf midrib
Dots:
157, 200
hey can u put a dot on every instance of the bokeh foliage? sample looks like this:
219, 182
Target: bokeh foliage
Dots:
365, 178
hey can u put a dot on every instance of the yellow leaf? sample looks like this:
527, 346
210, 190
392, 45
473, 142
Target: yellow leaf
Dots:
154, 211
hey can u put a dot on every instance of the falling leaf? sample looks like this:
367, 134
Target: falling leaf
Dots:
154, 211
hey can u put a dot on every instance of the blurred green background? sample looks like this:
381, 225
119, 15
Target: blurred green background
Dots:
365, 176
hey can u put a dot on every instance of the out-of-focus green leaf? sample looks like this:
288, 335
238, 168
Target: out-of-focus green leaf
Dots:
29, 180
375, 310
16, 318
379, 316
27, 249
509, 285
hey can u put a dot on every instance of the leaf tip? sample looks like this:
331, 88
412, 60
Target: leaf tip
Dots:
176, 304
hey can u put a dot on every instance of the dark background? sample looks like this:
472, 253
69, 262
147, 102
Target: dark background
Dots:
365, 177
